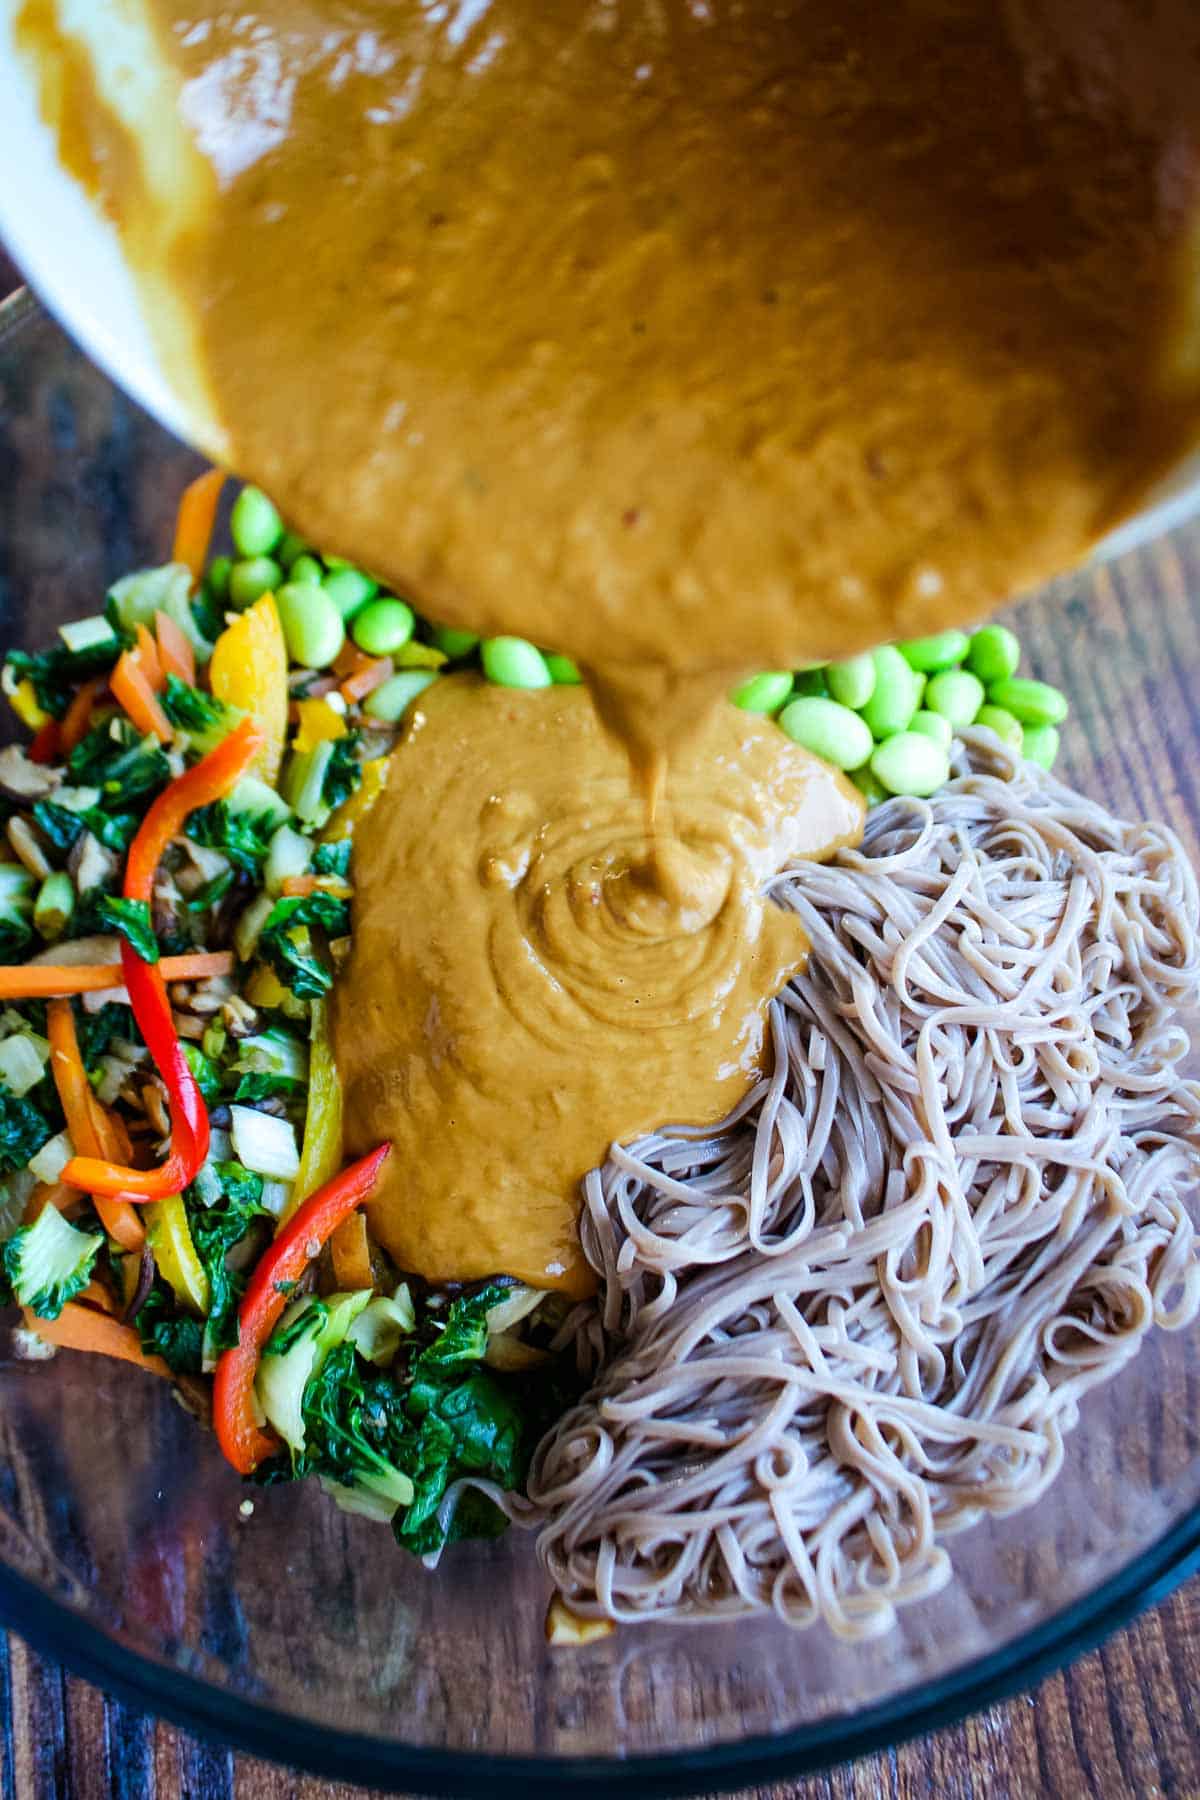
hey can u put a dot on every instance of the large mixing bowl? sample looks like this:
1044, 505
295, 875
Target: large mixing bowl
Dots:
303, 1634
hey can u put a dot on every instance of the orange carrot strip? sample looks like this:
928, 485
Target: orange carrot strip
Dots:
175, 653
365, 681
147, 655
78, 716
42, 981
80, 1327
351, 1254
49, 1193
296, 887
87, 1121
195, 520
133, 690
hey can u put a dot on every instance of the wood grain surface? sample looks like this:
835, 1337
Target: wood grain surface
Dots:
1124, 1720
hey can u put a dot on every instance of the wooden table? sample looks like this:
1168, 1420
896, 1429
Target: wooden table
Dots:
1123, 1721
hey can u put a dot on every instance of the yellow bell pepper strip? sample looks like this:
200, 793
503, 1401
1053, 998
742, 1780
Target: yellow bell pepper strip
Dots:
356, 808
170, 1239
249, 670
210, 779
195, 520
243, 1441
25, 704
317, 723
321, 1151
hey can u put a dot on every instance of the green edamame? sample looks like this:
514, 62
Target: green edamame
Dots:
895, 696
993, 654
389, 702
254, 524
810, 682
929, 654
933, 725
251, 578
1041, 745
829, 730
1033, 702
513, 662
957, 695
382, 627
290, 547
911, 763
455, 643
349, 588
216, 579
312, 624
563, 672
851, 683
764, 693
1008, 729
306, 568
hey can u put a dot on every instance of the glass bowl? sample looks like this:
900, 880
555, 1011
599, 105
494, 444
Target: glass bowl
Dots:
129, 1550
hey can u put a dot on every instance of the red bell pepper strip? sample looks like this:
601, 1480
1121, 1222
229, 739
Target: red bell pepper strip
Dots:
243, 1441
211, 779
45, 745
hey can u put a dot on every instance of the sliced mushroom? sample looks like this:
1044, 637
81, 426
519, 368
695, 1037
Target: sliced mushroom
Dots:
89, 864
21, 779
26, 847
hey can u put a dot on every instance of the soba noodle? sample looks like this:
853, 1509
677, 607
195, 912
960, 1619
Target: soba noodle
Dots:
862, 1312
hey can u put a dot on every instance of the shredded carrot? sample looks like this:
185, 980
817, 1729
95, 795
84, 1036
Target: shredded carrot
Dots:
46, 742
351, 1254
78, 716
364, 681
175, 653
79, 1327
295, 887
195, 520
349, 659
42, 981
97, 1295
134, 690
147, 655
89, 1125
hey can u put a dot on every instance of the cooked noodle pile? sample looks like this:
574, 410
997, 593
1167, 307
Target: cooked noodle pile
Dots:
862, 1312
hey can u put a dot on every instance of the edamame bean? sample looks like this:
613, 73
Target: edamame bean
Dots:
312, 624
929, 654
289, 547
254, 524
933, 725
382, 627
895, 695
349, 588
1033, 702
1006, 728
763, 693
911, 763
513, 662
829, 730
419, 656
455, 643
957, 695
306, 568
252, 577
851, 683
993, 654
217, 578
389, 702
1041, 745
810, 682
563, 672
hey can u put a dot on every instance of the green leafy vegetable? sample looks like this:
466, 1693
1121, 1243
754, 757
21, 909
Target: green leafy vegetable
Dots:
286, 941
57, 671
344, 771
24, 1128
124, 766
215, 1229
16, 910
243, 836
63, 825
211, 893
206, 1072
205, 719
131, 918
97, 1030
333, 859
170, 1333
259, 1084
49, 1262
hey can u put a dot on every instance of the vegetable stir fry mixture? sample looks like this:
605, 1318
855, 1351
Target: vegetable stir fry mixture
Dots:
176, 897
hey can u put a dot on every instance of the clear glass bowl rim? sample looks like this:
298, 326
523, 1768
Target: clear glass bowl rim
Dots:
56, 1631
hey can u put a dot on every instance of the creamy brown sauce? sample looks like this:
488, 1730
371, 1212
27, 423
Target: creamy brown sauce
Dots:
529, 982
684, 336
